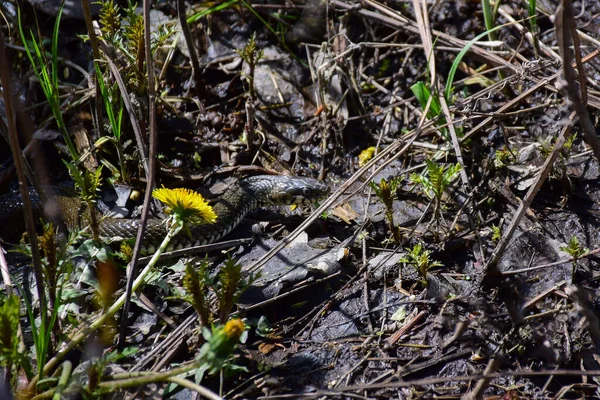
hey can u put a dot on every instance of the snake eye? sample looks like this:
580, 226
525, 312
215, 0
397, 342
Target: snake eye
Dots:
280, 198
306, 192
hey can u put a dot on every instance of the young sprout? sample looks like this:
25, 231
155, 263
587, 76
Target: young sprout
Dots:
195, 286
435, 181
496, 233
575, 250
386, 191
421, 260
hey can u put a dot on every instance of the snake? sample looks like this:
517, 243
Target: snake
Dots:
241, 197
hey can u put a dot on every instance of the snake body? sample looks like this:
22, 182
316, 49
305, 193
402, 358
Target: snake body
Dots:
245, 195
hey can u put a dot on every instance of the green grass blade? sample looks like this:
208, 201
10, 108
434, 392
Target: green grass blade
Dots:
120, 116
42, 75
48, 81
531, 10
55, 48
35, 334
459, 57
422, 93
488, 17
261, 19
25, 44
211, 10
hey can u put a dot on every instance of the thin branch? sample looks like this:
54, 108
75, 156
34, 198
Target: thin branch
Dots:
185, 29
150, 178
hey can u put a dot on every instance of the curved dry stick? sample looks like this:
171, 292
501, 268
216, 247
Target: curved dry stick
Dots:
565, 27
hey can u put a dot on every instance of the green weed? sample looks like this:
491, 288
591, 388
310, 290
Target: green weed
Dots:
48, 75
575, 250
496, 233
386, 192
435, 180
420, 259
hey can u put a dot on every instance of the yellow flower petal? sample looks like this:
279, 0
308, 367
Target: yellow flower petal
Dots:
185, 203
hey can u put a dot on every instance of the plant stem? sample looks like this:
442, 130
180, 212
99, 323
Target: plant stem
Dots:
65, 374
144, 378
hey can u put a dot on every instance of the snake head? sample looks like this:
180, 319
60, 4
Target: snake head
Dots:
298, 191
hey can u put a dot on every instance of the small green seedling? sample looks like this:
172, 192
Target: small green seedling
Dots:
386, 191
420, 259
435, 180
575, 250
496, 233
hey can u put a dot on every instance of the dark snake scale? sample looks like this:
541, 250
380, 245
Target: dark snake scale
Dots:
241, 197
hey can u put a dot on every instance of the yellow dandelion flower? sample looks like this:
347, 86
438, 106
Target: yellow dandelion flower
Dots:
234, 329
186, 204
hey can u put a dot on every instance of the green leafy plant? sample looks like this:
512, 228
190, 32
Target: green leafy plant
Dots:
559, 167
42, 333
435, 112
568, 145
110, 19
195, 284
496, 233
230, 286
113, 105
251, 56
48, 75
216, 354
386, 192
56, 270
423, 94
420, 259
133, 36
532, 11
435, 181
489, 17
123, 36
55, 264
575, 250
